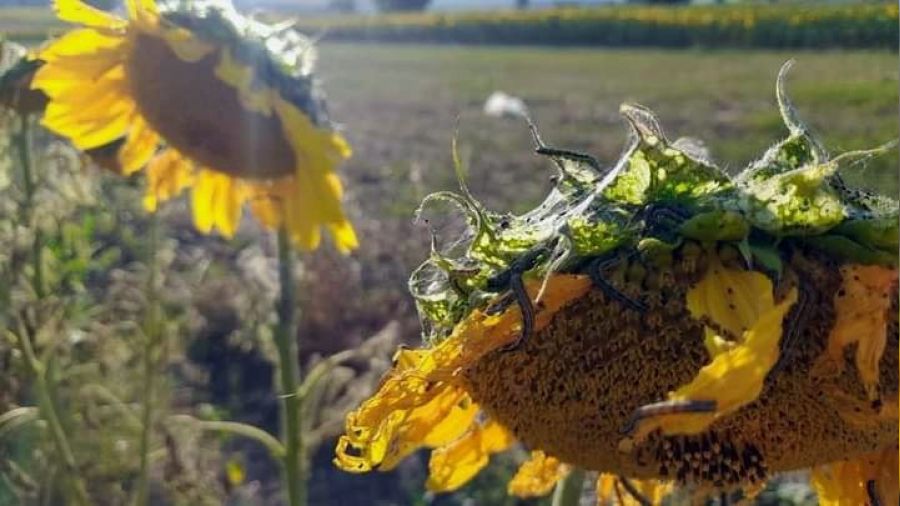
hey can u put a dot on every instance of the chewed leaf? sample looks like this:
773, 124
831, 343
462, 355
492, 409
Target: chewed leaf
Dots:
797, 202
578, 171
694, 148
798, 149
655, 170
595, 237
791, 120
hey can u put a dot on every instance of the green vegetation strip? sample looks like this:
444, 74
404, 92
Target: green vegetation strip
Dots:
772, 26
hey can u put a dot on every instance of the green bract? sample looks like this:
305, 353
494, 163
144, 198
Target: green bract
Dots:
658, 193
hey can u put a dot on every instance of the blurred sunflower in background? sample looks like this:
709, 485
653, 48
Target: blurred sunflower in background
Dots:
205, 99
673, 328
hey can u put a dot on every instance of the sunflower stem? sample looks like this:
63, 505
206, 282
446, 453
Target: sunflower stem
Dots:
568, 490
43, 387
289, 373
152, 336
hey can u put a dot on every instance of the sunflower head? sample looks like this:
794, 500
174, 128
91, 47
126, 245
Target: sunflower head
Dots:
658, 321
205, 99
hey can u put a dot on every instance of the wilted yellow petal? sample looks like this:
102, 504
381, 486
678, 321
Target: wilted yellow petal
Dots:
612, 490
605, 488
75, 11
167, 175
852, 481
452, 466
733, 299
439, 422
427, 378
139, 147
537, 476
736, 375
861, 307
382, 426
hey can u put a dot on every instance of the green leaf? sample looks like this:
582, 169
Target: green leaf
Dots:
848, 249
716, 225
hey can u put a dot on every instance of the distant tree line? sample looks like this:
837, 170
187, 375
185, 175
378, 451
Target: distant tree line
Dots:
741, 26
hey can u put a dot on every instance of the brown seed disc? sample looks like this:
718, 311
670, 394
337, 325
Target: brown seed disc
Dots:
571, 388
201, 116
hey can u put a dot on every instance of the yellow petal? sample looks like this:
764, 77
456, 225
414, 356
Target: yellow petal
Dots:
611, 490
168, 174
186, 46
75, 11
851, 481
344, 236
142, 10
315, 200
736, 375
537, 476
92, 113
304, 204
241, 77
454, 465
424, 381
85, 43
71, 73
399, 416
437, 423
731, 298
861, 307
139, 147
217, 199
87, 131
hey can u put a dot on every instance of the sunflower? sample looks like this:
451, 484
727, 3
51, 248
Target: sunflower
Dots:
663, 324
204, 99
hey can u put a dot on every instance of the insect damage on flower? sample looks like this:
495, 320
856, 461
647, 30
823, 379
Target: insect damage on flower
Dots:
662, 320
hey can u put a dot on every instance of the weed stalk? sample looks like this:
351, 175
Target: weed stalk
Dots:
152, 334
44, 387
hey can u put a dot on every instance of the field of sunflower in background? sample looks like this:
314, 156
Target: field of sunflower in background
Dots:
206, 297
